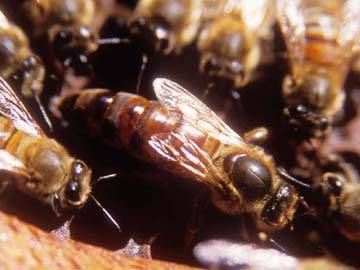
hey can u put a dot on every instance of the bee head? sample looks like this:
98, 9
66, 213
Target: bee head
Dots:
306, 100
215, 68
30, 76
280, 209
153, 31
72, 45
76, 190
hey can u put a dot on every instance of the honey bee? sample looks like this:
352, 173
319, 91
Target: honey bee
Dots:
167, 25
67, 25
320, 37
181, 135
339, 189
18, 62
35, 164
230, 41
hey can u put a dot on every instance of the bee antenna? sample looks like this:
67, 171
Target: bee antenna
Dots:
105, 177
43, 112
276, 244
141, 73
109, 216
207, 90
107, 41
292, 179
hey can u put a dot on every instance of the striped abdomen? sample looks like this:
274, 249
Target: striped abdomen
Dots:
146, 129
322, 27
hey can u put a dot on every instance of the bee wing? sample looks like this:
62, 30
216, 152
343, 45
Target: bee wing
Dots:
12, 167
3, 20
224, 254
12, 108
194, 111
292, 25
178, 149
349, 33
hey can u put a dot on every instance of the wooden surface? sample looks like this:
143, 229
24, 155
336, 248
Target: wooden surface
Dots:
23, 246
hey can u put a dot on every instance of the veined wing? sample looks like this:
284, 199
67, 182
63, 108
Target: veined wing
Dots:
194, 111
12, 108
292, 24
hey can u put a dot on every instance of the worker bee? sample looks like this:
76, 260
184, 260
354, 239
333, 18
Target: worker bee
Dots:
183, 136
67, 25
339, 193
19, 64
320, 37
230, 41
167, 25
35, 164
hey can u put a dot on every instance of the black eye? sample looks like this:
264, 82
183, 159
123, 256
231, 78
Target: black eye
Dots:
275, 210
63, 38
211, 65
249, 175
72, 191
78, 168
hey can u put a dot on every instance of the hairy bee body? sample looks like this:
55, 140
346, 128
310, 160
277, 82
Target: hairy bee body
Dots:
320, 38
170, 24
44, 14
230, 40
36, 154
18, 59
189, 140
35, 164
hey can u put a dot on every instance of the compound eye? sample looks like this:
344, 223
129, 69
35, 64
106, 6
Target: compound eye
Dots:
63, 38
211, 66
72, 191
250, 176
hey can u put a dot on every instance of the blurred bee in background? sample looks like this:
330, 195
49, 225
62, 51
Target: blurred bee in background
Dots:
19, 64
166, 25
230, 40
339, 196
183, 136
68, 27
36, 165
320, 37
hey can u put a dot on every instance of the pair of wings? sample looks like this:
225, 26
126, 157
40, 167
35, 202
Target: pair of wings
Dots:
195, 112
179, 148
292, 20
13, 109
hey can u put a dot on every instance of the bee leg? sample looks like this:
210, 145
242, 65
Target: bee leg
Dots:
257, 136
63, 232
199, 208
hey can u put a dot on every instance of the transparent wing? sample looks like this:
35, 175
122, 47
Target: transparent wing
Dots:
11, 107
292, 25
194, 111
11, 167
182, 156
349, 33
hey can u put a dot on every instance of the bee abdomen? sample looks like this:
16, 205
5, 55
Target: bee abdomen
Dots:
321, 33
